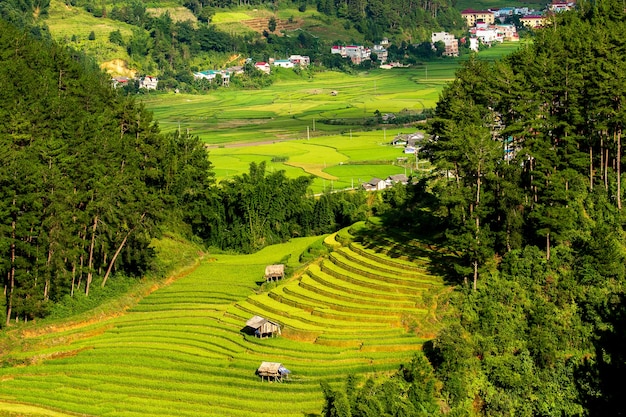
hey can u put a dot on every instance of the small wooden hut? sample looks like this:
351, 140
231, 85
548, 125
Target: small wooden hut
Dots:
274, 272
273, 371
263, 327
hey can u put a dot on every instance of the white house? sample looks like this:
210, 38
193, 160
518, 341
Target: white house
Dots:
263, 66
381, 52
148, 82
283, 63
375, 184
356, 53
451, 43
301, 60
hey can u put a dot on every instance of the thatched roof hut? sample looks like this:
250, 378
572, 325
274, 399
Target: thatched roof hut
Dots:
274, 272
263, 327
273, 371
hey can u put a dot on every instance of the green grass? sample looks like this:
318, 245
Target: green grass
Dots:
180, 351
289, 120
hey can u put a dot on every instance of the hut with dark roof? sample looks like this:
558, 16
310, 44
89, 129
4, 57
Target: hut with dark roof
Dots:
263, 327
273, 371
274, 272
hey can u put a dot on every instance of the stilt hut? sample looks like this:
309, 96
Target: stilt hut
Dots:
273, 371
263, 327
274, 272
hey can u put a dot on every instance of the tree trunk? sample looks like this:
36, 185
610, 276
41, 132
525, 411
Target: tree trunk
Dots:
591, 168
548, 246
11, 274
73, 279
475, 274
90, 262
619, 169
117, 252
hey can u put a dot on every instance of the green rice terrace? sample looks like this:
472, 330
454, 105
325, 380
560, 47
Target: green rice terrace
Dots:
181, 351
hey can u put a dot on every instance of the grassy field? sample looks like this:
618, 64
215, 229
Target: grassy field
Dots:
181, 350
286, 121
289, 120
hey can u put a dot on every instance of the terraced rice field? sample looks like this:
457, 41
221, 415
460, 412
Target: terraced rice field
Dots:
181, 350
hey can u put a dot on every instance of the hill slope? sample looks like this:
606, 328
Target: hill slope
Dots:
181, 352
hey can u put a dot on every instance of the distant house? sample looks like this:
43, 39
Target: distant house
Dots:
211, 75
148, 82
356, 53
237, 70
273, 371
395, 179
411, 139
283, 63
375, 184
120, 81
263, 327
381, 52
508, 32
274, 272
263, 66
561, 6
533, 21
399, 140
301, 60
450, 42
473, 16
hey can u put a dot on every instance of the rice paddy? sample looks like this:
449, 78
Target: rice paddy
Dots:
182, 350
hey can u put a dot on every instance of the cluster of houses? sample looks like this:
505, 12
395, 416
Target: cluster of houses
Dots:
266, 67
530, 18
358, 53
148, 82
488, 26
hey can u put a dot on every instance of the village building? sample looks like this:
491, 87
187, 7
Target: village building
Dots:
273, 371
395, 179
263, 67
356, 53
533, 21
381, 52
212, 75
263, 327
375, 184
474, 16
557, 6
283, 63
450, 42
274, 272
149, 82
300, 60
120, 81
508, 32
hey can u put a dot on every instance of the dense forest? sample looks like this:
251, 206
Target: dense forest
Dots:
526, 193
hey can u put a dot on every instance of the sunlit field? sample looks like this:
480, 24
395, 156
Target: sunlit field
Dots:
181, 351
313, 125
